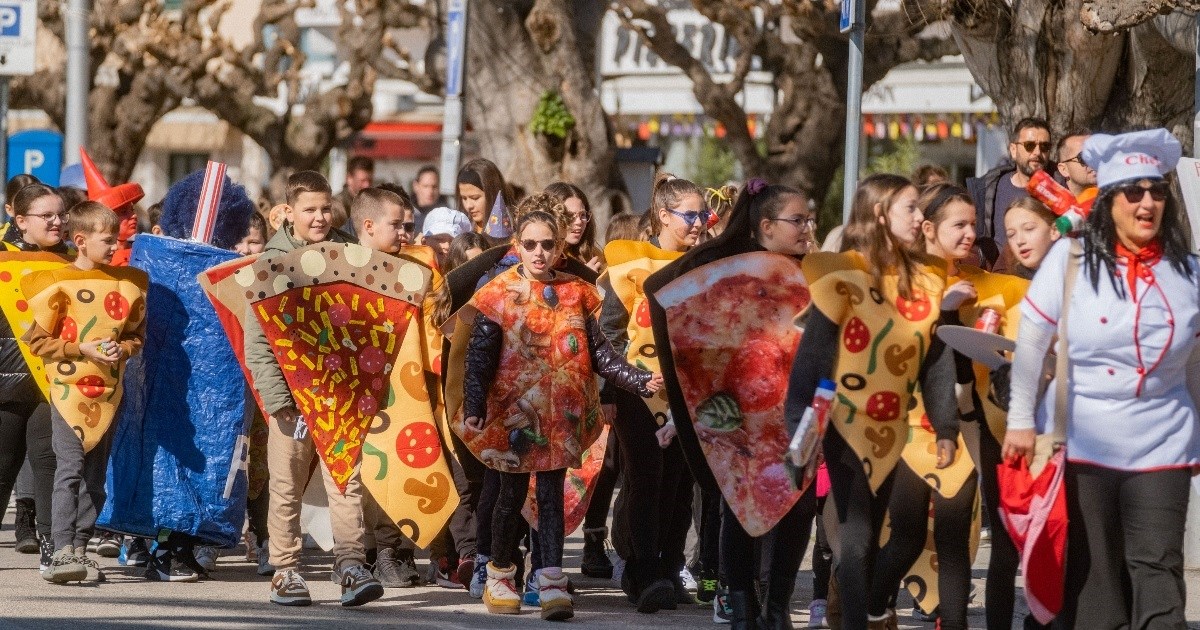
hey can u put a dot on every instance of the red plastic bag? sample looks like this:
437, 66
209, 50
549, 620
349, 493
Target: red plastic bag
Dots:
1034, 511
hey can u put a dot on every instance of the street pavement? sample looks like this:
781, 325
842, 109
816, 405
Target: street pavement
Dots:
236, 598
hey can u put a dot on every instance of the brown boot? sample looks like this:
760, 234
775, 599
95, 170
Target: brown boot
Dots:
833, 606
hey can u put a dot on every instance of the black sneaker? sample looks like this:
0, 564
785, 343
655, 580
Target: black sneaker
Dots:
134, 552
659, 595
706, 587
395, 570
409, 576
47, 549
596, 562
109, 546
165, 566
358, 585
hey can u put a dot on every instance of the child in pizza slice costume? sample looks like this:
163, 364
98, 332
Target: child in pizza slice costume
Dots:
530, 403
934, 556
89, 318
870, 328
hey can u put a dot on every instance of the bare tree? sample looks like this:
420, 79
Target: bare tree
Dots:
129, 92
1105, 64
807, 58
520, 54
262, 89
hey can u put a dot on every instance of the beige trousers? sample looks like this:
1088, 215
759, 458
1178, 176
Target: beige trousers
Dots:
290, 464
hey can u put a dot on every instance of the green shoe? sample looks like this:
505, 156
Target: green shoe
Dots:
65, 567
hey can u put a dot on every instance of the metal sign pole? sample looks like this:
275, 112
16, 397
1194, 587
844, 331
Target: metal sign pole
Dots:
452, 117
853, 21
4, 136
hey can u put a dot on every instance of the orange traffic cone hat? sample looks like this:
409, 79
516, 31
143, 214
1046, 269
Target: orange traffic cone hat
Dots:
116, 197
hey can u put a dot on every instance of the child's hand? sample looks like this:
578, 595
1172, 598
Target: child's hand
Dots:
594, 264
665, 435
655, 383
474, 423
97, 351
945, 451
958, 294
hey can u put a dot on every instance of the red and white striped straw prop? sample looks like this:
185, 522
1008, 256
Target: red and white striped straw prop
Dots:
210, 200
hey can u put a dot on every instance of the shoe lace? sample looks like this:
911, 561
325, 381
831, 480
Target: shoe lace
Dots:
87, 562
708, 584
291, 580
356, 573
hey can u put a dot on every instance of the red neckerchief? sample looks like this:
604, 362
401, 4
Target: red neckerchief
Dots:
1140, 263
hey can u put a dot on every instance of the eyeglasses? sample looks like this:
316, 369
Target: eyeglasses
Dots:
1030, 145
1078, 159
584, 216
801, 223
547, 245
48, 217
692, 217
1134, 193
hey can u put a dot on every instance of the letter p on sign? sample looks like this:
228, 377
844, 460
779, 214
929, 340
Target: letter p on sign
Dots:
34, 158
10, 20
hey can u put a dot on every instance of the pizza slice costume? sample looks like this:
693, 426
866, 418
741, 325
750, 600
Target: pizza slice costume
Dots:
733, 339
629, 264
14, 266
543, 406
335, 316
74, 306
1003, 293
883, 340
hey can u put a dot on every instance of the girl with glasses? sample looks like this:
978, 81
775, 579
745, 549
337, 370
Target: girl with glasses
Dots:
580, 238
530, 403
765, 218
656, 508
34, 241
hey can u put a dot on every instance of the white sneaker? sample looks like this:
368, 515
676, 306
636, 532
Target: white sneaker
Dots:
618, 570
206, 557
555, 601
689, 582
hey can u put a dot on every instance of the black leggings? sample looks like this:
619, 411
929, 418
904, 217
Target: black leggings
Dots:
787, 541
822, 562
909, 512
25, 430
860, 517
508, 525
597, 514
657, 493
1000, 592
489, 494
708, 530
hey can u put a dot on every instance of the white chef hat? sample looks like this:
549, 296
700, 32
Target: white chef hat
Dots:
443, 220
1148, 154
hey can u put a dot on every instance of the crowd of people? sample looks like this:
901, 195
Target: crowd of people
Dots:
550, 370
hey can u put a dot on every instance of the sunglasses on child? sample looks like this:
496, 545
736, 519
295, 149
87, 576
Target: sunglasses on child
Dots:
1134, 193
691, 218
547, 245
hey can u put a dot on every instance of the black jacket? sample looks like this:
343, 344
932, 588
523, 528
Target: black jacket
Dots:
16, 383
983, 192
483, 359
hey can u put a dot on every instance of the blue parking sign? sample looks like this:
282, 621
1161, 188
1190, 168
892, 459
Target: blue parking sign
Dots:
10, 20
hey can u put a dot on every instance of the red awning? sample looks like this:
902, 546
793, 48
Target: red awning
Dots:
394, 140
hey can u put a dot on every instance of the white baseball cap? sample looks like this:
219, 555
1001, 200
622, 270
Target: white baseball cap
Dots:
446, 221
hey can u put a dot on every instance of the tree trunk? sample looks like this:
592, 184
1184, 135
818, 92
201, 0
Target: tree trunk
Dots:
515, 53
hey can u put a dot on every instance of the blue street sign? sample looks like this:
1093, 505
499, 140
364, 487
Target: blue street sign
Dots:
36, 152
850, 15
456, 40
10, 20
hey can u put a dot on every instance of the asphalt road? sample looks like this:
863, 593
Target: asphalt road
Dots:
236, 598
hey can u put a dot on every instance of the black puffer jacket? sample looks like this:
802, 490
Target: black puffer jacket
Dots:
16, 383
483, 359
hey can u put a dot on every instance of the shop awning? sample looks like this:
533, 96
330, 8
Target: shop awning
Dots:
399, 140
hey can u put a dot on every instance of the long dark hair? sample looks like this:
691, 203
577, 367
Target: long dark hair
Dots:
586, 249
1100, 239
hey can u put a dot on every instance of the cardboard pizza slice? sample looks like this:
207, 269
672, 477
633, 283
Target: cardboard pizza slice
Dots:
578, 487
336, 315
404, 465
14, 266
229, 301
629, 264
732, 336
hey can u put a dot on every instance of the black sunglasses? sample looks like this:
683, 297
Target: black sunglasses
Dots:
1134, 193
548, 245
1030, 145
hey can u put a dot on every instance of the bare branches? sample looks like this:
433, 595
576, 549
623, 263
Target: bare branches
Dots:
1107, 16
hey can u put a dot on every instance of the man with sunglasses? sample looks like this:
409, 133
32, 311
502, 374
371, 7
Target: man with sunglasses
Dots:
1029, 152
1079, 177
